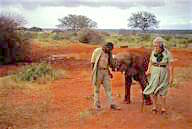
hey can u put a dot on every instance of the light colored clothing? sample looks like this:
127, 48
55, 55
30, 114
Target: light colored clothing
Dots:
159, 81
103, 78
100, 76
95, 59
103, 61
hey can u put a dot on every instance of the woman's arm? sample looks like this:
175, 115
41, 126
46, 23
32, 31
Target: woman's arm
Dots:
170, 67
149, 69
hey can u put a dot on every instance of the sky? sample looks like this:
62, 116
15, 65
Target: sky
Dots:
109, 14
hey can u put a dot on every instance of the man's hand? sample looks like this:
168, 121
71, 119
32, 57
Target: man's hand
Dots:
110, 75
92, 65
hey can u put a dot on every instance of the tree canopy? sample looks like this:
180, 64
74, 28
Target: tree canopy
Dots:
143, 20
76, 22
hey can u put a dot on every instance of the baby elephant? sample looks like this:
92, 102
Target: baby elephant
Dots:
133, 65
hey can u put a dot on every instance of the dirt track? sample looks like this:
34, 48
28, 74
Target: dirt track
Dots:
71, 104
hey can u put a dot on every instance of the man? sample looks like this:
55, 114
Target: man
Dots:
101, 60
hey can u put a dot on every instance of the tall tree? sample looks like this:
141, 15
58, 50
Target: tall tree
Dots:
143, 20
76, 22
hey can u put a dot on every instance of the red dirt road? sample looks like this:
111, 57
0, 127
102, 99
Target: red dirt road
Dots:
71, 103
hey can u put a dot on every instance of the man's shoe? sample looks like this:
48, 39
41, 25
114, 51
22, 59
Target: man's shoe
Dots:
115, 107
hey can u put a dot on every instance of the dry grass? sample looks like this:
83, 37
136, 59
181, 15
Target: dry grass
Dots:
24, 101
182, 75
52, 43
23, 105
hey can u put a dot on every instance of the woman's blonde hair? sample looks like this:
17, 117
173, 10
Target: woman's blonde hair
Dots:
160, 41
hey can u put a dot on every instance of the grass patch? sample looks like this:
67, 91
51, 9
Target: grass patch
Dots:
39, 73
146, 40
85, 114
182, 75
52, 43
127, 39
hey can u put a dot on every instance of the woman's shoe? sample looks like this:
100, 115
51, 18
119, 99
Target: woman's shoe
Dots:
154, 110
115, 107
163, 111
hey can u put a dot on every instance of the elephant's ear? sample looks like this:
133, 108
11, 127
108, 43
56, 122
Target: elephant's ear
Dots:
113, 62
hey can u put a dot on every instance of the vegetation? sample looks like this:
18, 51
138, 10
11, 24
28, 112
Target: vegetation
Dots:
90, 36
182, 75
143, 20
14, 113
36, 29
13, 46
145, 40
76, 22
40, 73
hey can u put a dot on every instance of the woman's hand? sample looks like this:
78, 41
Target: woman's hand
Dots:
148, 72
170, 80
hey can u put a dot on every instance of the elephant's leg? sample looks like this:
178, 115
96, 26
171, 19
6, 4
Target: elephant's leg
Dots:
143, 83
128, 82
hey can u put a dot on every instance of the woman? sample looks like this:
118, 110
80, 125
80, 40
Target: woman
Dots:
161, 70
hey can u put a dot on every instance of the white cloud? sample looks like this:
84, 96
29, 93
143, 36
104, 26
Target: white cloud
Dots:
107, 13
123, 4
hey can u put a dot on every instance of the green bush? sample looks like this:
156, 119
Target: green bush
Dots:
38, 72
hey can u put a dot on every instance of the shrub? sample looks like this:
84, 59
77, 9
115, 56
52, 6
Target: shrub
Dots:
43, 36
89, 36
13, 46
38, 72
145, 37
167, 37
35, 29
58, 36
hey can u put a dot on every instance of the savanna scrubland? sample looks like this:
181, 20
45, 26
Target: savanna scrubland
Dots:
46, 81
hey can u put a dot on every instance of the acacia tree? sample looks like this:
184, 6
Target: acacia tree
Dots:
76, 22
143, 20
